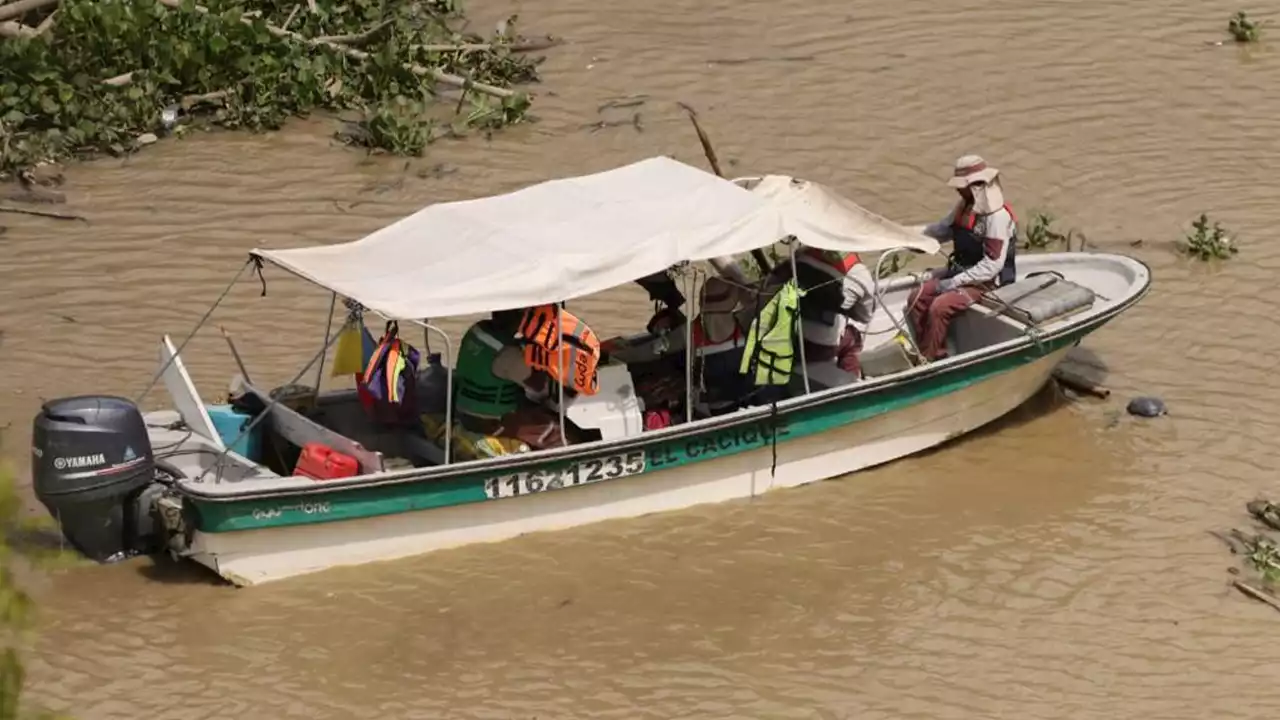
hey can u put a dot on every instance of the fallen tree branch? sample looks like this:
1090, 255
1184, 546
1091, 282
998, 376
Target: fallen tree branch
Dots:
190, 101
22, 7
758, 255
43, 213
1256, 594
14, 29
1080, 384
355, 38
46, 24
435, 73
703, 139
119, 80
289, 19
525, 46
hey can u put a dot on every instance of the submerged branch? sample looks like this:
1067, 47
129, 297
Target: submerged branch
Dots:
1256, 594
523, 46
43, 213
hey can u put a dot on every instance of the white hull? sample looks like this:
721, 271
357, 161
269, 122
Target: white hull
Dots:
252, 557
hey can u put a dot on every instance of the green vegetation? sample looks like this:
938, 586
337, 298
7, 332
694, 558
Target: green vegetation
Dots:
16, 609
1244, 30
1260, 553
82, 77
1206, 243
1041, 235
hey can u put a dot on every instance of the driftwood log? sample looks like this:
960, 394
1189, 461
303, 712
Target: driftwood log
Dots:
1256, 594
1080, 384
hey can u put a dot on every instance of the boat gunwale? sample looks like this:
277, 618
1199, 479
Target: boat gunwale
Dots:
497, 465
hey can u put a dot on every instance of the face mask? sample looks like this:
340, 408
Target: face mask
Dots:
987, 198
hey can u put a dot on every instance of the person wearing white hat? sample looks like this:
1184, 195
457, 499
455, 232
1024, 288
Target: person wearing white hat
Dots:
984, 232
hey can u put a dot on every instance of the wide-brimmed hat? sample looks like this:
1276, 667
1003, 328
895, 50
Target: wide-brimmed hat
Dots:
971, 169
719, 296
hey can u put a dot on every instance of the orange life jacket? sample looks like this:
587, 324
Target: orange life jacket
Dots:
834, 262
575, 348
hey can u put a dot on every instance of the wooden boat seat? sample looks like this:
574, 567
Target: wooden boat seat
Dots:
885, 359
1037, 300
822, 376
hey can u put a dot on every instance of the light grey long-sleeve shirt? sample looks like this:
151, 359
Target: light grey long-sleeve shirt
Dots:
997, 231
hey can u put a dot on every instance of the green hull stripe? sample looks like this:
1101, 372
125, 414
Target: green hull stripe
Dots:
388, 499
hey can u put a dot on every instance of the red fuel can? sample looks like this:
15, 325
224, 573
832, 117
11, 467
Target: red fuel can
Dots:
321, 462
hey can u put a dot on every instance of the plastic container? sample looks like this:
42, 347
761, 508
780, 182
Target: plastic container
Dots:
321, 462
229, 423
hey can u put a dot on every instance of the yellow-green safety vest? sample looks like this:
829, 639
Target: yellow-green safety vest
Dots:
769, 354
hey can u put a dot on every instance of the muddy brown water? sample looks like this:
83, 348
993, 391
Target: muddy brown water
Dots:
1055, 565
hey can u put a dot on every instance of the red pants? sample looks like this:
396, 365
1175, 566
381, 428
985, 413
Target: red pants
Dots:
845, 354
930, 313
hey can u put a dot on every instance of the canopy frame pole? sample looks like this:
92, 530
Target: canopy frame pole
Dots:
220, 461
691, 285
178, 350
804, 366
328, 329
448, 383
564, 441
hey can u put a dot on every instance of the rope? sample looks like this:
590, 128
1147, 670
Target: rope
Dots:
265, 411
328, 328
164, 368
773, 439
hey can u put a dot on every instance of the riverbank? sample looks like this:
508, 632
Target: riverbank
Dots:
83, 78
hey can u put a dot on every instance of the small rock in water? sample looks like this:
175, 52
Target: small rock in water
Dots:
147, 139
1147, 407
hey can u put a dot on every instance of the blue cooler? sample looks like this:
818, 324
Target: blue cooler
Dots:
230, 423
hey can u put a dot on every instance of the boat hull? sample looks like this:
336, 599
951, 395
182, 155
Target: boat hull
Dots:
269, 553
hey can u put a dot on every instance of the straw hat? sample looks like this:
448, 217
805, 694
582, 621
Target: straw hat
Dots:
719, 300
971, 169
719, 296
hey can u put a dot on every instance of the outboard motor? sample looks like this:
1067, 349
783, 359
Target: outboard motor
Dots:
93, 469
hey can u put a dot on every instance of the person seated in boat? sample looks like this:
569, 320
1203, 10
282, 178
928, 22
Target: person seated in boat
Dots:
837, 288
719, 339
984, 233
497, 393
664, 293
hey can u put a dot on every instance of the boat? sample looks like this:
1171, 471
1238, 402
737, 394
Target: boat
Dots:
122, 483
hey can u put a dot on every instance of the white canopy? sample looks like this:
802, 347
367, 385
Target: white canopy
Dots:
566, 238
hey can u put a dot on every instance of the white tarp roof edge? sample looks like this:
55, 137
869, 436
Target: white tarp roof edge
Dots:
566, 238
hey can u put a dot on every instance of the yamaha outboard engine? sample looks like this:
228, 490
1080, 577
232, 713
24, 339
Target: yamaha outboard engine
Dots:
92, 466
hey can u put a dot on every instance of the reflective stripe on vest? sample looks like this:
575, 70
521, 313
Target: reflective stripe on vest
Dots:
834, 263
481, 393
392, 357
574, 350
770, 353
703, 346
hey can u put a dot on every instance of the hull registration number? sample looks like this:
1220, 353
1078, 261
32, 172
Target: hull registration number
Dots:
609, 467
